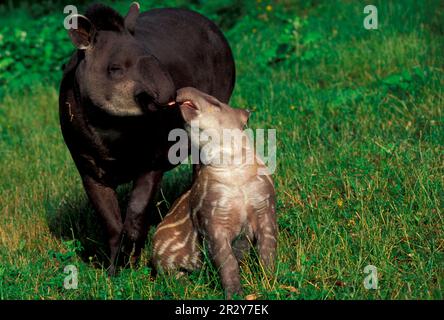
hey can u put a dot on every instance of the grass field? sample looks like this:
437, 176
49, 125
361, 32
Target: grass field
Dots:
359, 179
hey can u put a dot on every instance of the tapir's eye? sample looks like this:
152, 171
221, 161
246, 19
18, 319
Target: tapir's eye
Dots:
115, 70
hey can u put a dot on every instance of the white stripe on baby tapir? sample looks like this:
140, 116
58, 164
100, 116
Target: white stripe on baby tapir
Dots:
267, 235
267, 176
185, 259
170, 261
174, 224
213, 210
181, 245
193, 240
223, 247
165, 245
195, 260
270, 181
184, 196
203, 195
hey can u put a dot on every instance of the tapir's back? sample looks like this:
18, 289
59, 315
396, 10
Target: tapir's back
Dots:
183, 39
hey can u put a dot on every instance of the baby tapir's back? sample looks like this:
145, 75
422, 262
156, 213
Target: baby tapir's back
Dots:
176, 241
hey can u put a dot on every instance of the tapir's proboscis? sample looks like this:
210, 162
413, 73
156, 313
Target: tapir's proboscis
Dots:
112, 105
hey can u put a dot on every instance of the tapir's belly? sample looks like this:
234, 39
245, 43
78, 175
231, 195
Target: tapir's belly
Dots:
129, 154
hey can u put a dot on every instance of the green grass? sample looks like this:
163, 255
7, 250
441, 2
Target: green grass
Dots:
359, 177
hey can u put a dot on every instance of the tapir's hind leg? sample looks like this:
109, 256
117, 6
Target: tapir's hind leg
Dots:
104, 201
135, 227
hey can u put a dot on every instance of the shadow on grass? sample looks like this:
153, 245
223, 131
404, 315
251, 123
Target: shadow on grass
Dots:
73, 218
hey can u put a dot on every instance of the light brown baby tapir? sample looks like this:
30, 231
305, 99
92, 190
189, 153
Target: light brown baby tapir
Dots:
231, 204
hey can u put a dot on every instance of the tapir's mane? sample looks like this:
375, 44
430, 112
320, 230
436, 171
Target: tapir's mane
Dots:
104, 18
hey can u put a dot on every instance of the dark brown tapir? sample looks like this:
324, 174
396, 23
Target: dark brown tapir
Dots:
112, 105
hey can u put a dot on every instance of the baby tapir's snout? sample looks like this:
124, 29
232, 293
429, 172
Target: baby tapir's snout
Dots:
176, 242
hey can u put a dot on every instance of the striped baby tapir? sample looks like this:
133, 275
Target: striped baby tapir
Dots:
230, 206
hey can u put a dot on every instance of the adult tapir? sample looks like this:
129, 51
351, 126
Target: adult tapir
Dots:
112, 104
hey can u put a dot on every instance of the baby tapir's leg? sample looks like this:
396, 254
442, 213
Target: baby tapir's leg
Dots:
241, 247
266, 231
225, 261
244, 241
219, 240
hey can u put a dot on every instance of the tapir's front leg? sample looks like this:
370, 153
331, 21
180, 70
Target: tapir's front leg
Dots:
135, 228
104, 200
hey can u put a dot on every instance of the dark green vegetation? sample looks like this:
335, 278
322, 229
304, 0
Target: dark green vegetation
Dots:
359, 119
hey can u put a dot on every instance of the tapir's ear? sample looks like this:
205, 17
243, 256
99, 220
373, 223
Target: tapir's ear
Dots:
189, 110
131, 17
82, 36
244, 115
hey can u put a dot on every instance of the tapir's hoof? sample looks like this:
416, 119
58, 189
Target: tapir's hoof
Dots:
112, 271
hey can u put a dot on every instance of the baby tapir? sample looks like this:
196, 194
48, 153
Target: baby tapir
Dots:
231, 204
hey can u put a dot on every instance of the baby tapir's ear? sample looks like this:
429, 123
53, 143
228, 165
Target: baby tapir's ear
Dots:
189, 103
189, 110
82, 36
244, 115
131, 17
